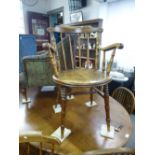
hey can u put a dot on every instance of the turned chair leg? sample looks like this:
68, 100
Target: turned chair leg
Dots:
91, 96
24, 92
58, 97
25, 98
107, 107
63, 112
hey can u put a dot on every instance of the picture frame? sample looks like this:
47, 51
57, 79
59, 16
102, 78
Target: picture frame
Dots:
76, 17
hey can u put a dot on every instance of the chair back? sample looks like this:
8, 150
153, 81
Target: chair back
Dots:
125, 97
36, 138
83, 49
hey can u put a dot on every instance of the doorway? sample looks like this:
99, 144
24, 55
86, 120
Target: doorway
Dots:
56, 17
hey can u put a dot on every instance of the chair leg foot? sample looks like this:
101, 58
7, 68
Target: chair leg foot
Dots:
25, 99
57, 108
90, 104
70, 97
105, 133
58, 133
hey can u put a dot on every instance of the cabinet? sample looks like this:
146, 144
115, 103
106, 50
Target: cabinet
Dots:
38, 24
27, 46
87, 44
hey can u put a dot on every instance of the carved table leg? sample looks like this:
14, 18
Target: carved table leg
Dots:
107, 108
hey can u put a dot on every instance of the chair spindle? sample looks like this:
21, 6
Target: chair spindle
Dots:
63, 51
71, 51
79, 49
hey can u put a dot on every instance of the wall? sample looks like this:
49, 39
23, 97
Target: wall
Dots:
120, 26
54, 4
118, 22
39, 7
90, 12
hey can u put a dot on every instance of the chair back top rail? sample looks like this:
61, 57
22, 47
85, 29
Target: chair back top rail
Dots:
74, 29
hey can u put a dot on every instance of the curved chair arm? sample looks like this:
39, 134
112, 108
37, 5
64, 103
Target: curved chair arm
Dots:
112, 46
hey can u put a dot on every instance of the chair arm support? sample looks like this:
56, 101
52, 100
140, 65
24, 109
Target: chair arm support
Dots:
112, 46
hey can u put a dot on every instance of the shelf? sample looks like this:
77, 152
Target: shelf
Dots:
84, 58
86, 49
87, 38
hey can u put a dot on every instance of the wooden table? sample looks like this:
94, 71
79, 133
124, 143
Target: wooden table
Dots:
84, 122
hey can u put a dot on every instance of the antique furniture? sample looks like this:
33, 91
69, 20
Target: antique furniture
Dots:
84, 122
73, 75
29, 137
116, 151
125, 97
37, 72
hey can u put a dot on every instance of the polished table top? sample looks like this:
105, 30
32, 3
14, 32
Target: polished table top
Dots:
84, 122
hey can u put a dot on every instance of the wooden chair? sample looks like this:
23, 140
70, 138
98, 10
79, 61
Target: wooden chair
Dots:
27, 138
115, 151
125, 97
69, 71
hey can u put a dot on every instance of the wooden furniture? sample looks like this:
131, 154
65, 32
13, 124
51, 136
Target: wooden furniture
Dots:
117, 151
37, 137
92, 41
84, 122
125, 97
77, 76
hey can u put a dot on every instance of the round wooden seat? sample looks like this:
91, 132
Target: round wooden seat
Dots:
82, 77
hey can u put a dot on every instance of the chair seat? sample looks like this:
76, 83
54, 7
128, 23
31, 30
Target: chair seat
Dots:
82, 77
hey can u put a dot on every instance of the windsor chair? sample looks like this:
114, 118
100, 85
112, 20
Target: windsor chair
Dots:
125, 97
70, 74
37, 138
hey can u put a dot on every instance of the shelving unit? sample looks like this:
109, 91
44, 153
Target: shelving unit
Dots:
88, 47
